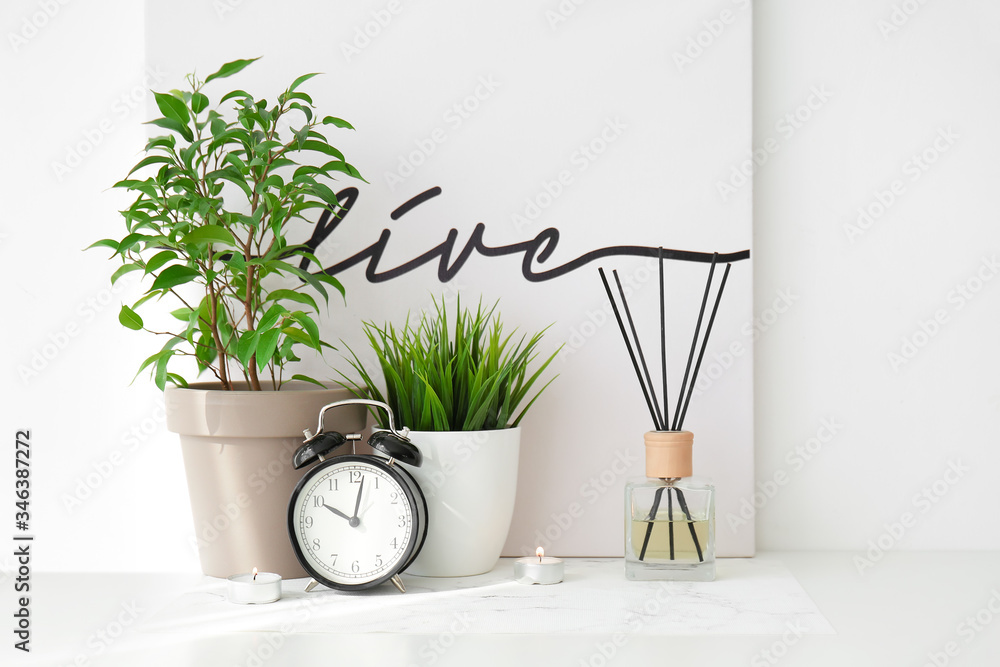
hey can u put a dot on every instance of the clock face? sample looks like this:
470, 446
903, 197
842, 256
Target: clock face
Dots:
353, 523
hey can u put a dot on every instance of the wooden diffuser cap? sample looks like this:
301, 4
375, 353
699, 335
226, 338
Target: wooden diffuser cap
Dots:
668, 453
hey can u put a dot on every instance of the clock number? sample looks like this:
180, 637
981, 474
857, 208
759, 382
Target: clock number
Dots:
334, 483
318, 501
355, 476
309, 522
355, 566
402, 521
334, 557
393, 543
376, 482
378, 560
394, 497
316, 544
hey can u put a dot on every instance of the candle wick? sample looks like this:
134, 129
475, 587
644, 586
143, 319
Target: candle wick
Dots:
539, 559
255, 576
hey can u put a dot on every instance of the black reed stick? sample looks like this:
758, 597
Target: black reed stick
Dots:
663, 345
642, 358
687, 514
652, 515
694, 343
704, 343
635, 364
670, 521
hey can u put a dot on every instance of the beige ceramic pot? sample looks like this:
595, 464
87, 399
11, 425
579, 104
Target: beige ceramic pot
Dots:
238, 448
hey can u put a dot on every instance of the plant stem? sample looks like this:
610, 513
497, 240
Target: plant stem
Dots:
214, 326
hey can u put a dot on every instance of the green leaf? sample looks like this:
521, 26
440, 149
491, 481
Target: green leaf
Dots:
266, 346
199, 102
104, 243
325, 193
271, 317
291, 295
349, 169
321, 147
300, 80
178, 274
160, 376
309, 325
298, 335
122, 270
159, 259
306, 378
242, 94
330, 280
174, 126
230, 68
209, 234
247, 346
234, 176
129, 318
152, 159
172, 107
183, 314
338, 122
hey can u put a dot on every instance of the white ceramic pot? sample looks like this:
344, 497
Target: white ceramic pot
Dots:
470, 481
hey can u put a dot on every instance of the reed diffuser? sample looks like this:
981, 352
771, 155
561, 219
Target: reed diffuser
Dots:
669, 516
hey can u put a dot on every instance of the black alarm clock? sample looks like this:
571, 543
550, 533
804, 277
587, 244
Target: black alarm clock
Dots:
357, 521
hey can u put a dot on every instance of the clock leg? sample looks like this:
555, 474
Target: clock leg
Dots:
312, 584
398, 583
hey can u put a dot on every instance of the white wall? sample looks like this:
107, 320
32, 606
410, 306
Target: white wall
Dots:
824, 358
73, 103
858, 296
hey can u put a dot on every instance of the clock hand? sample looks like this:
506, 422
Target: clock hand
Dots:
357, 502
336, 511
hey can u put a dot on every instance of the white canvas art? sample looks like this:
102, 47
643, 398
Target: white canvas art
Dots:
510, 150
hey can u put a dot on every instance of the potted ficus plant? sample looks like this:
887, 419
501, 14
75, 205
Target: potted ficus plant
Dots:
214, 199
462, 386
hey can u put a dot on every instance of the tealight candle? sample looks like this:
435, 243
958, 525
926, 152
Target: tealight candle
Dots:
254, 588
541, 569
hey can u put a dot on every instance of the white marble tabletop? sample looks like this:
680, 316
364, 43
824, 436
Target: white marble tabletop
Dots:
749, 596
788, 609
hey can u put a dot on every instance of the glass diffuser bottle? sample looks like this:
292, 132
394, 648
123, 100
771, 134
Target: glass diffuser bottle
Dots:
669, 516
